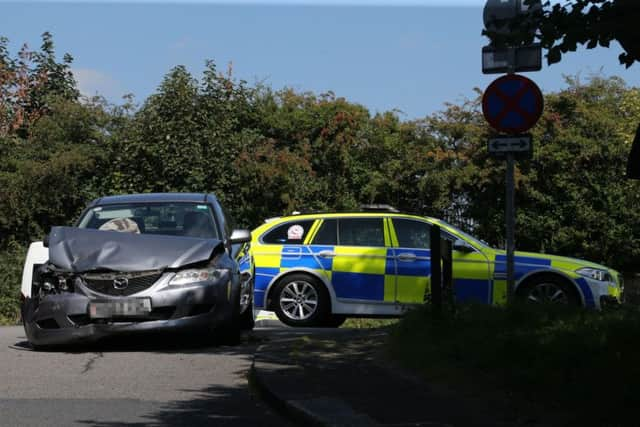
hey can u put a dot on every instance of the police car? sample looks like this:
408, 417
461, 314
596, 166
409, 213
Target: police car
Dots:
319, 269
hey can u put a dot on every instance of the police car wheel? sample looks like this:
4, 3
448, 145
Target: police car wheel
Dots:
300, 300
549, 289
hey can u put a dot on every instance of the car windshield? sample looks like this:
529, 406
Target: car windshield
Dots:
173, 219
465, 236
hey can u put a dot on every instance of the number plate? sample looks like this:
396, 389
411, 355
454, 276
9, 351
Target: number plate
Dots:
129, 307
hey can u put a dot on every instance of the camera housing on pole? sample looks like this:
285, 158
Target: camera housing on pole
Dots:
509, 59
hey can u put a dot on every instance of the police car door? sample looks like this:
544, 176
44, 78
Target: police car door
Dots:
362, 268
411, 239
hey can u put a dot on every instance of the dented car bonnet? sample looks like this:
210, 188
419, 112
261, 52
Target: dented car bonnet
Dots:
80, 250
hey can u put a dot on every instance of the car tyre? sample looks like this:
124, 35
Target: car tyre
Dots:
300, 300
247, 319
549, 289
229, 332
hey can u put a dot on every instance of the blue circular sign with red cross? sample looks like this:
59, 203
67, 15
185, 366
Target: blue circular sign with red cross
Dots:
512, 104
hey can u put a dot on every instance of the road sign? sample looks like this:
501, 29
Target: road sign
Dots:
502, 145
512, 104
508, 60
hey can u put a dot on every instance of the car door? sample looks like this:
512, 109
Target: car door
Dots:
355, 253
411, 241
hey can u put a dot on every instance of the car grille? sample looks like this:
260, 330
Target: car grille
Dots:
124, 284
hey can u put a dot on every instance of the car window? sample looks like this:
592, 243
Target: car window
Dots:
411, 233
327, 233
173, 219
361, 232
288, 233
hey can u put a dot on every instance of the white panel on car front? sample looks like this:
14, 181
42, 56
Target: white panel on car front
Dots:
37, 254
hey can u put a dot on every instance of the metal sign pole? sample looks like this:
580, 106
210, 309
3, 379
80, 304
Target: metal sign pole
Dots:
510, 208
510, 212
498, 111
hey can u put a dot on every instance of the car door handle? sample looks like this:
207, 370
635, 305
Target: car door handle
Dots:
326, 254
407, 257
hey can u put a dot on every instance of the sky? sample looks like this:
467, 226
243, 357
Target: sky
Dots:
412, 56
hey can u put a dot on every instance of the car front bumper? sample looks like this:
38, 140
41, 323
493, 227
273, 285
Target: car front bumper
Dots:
64, 318
605, 294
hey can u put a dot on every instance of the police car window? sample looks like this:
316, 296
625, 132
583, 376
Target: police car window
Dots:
326, 234
288, 233
361, 232
412, 234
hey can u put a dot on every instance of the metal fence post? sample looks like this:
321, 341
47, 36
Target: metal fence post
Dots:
436, 270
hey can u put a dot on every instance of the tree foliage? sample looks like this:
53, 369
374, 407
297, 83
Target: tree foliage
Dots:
268, 152
562, 27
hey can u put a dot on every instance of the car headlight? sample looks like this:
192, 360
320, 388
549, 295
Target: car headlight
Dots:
595, 273
186, 277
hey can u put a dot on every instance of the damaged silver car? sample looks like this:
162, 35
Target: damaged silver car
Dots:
138, 263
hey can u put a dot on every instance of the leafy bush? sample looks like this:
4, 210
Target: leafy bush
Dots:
11, 263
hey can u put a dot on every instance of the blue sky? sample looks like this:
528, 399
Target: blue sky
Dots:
410, 55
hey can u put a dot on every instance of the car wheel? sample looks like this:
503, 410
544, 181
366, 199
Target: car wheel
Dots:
301, 300
247, 319
230, 331
550, 290
334, 321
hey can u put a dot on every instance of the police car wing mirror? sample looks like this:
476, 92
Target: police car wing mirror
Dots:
240, 236
462, 246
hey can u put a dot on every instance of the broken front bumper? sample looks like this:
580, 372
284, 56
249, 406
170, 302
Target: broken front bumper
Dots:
64, 318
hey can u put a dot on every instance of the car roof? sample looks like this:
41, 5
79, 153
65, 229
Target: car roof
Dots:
153, 198
345, 215
275, 221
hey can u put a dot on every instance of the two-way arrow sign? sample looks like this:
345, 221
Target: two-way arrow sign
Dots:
502, 145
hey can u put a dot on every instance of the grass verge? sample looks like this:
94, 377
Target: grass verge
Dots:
583, 363
358, 323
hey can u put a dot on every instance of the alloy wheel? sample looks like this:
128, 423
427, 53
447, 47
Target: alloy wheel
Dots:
548, 293
299, 300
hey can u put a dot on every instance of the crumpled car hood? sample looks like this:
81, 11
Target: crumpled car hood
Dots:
79, 250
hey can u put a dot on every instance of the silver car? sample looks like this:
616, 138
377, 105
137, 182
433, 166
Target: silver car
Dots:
137, 263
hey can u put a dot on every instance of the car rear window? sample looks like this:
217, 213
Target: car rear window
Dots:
288, 233
327, 233
361, 232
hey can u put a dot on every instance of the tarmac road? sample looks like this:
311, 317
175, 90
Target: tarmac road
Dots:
156, 382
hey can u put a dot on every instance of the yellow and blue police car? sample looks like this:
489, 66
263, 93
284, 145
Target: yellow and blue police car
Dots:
318, 269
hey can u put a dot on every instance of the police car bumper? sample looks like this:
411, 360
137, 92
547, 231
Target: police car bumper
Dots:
71, 318
605, 294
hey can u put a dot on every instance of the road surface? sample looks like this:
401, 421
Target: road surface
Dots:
129, 383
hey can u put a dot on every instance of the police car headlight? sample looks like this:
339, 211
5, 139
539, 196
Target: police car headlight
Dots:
186, 277
595, 273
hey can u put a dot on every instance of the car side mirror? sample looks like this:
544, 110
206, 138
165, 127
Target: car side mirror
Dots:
240, 236
45, 241
462, 246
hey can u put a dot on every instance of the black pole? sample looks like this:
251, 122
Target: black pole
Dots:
436, 270
447, 272
511, 225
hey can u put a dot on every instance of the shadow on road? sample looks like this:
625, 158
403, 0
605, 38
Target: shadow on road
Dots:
171, 343
213, 405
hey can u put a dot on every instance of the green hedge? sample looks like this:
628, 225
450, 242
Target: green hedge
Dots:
11, 263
